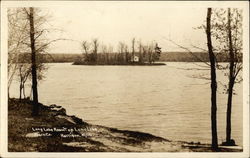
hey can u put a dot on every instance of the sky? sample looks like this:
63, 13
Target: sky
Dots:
113, 22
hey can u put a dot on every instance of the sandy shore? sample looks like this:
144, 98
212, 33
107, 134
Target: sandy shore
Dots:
55, 131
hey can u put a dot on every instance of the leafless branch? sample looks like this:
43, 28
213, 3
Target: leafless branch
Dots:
205, 50
188, 50
48, 43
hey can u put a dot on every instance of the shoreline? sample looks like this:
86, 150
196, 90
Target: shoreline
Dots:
118, 64
55, 131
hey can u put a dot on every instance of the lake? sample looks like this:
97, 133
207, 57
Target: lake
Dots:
167, 101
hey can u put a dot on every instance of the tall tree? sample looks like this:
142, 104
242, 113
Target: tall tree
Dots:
27, 43
234, 68
33, 62
227, 33
231, 79
19, 45
225, 29
213, 81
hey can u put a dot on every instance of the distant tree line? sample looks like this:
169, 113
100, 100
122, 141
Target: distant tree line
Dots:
48, 58
164, 57
187, 57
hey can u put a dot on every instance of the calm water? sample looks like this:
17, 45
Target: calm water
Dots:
163, 100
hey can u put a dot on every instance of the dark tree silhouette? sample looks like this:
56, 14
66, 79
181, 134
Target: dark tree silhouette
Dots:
35, 110
133, 49
234, 65
213, 81
227, 32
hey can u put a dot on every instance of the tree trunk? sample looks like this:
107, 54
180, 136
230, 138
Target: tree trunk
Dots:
35, 109
213, 82
140, 54
133, 49
20, 91
231, 81
229, 111
24, 96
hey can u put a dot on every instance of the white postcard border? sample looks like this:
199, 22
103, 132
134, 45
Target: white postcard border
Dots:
4, 111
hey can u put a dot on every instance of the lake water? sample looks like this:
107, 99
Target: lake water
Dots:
166, 101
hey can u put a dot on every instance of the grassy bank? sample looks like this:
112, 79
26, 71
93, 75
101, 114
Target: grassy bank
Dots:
55, 131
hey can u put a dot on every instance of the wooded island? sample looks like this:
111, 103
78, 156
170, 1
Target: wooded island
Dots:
104, 55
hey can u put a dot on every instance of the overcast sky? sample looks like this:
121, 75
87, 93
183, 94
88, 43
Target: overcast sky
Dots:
112, 22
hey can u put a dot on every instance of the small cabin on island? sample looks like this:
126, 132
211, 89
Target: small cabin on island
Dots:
135, 59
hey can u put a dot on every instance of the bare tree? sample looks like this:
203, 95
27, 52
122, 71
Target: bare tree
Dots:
28, 37
95, 49
24, 72
30, 16
104, 50
133, 49
212, 67
85, 47
213, 81
140, 52
156, 53
126, 50
149, 51
16, 35
231, 79
228, 33
123, 52
110, 50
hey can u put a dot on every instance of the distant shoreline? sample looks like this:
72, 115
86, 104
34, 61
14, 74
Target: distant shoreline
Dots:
165, 57
127, 64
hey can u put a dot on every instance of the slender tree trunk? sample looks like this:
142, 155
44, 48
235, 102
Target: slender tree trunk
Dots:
126, 57
35, 110
86, 56
133, 49
24, 96
231, 80
213, 81
21, 85
140, 56
229, 111
20, 92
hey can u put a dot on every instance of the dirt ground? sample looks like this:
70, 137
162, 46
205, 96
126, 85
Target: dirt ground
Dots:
55, 131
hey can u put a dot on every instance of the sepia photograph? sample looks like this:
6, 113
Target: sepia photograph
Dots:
116, 77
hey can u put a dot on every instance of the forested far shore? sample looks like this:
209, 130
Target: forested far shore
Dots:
165, 57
